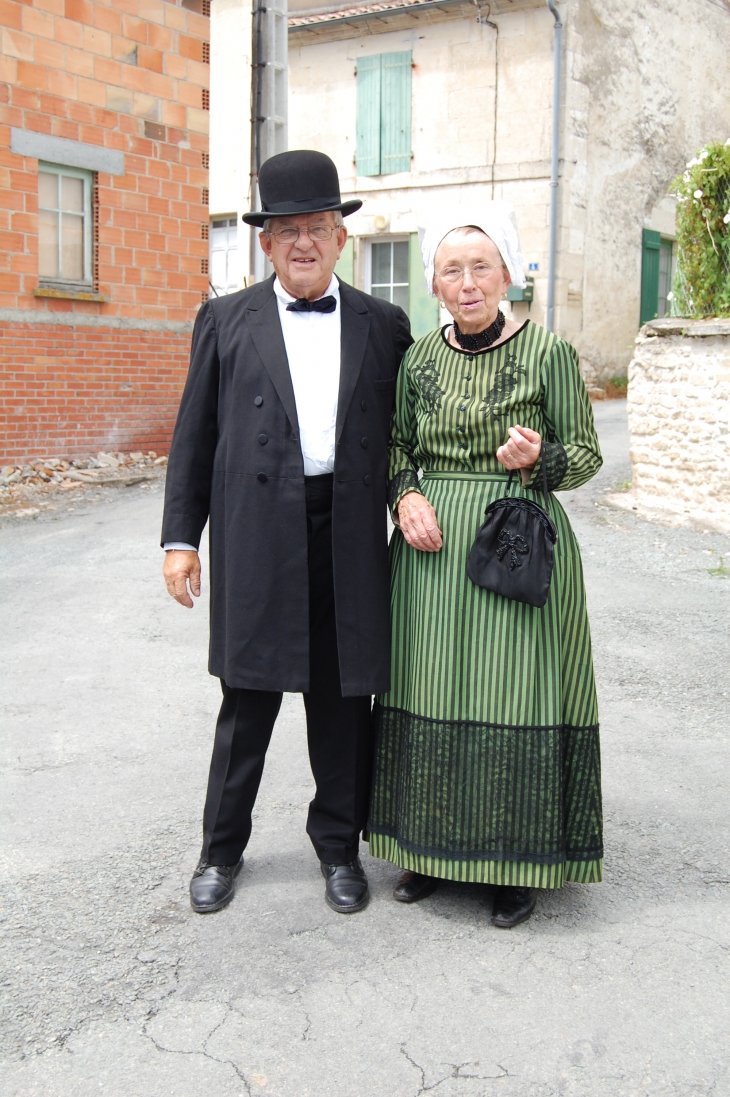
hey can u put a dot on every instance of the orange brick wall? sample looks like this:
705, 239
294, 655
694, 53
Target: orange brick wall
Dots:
128, 75
69, 391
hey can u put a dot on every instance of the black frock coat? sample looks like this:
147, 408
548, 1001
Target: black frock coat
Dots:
236, 460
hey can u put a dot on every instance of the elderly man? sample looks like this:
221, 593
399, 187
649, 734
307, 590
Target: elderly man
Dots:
281, 443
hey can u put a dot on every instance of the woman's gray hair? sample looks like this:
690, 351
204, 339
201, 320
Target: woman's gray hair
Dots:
339, 220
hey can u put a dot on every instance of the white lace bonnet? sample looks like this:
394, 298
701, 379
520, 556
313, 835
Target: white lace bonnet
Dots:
497, 219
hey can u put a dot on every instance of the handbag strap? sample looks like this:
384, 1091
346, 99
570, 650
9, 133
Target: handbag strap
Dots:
545, 492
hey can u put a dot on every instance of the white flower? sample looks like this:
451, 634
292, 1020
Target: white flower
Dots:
728, 141
726, 219
670, 296
698, 194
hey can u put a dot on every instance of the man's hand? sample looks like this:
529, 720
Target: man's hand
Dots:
522, 449
180, 569
418, 523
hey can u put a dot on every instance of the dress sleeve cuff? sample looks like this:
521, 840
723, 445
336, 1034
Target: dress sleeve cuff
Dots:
556, 466
170, 545
404, 481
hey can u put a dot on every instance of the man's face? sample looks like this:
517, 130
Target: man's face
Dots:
303, 265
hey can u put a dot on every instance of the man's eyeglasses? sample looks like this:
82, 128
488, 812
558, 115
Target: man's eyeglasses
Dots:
291, 235
478, 271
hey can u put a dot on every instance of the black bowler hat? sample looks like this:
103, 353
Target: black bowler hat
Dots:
302, 181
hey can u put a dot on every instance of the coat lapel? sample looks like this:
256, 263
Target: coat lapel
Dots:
355, 327
262, 314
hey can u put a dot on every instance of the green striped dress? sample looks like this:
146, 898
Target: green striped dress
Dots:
487, 760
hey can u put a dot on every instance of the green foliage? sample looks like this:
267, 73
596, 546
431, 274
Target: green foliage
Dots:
702, 283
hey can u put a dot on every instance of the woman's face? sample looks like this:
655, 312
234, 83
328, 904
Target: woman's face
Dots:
470, 279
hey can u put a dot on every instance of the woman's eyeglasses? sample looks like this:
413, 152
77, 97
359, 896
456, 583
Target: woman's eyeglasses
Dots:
290, 236
478, 271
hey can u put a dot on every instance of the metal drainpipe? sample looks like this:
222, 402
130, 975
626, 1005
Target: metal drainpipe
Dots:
554, 167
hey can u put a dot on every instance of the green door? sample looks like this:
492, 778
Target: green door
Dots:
650, 252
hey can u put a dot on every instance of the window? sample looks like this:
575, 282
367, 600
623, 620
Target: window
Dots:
393, 271
64, 225
389, 271
657, 274
666, 276
224, 270
384, 114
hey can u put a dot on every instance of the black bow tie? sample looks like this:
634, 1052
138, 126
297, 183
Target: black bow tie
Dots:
324, 304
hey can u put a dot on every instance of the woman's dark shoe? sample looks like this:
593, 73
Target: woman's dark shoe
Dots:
413, 886
512, 906
347, 886
213, 886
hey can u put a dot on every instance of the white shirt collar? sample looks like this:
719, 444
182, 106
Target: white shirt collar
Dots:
333, 289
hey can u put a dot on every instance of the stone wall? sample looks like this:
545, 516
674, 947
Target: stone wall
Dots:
679, 419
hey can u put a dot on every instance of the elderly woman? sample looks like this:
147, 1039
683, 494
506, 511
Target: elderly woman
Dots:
487, 764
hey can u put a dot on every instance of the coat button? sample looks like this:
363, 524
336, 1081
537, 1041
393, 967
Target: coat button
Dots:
258, 401
367, 480
263, 439
364, 443
262, 478
364, 405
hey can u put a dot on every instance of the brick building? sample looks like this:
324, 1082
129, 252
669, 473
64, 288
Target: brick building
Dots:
104, 109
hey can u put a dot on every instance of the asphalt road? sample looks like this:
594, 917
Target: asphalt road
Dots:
113, 986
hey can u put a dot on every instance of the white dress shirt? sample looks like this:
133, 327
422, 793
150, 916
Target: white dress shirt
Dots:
312, 341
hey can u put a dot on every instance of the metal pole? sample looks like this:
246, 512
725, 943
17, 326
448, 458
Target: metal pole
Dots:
258, 63
554, 167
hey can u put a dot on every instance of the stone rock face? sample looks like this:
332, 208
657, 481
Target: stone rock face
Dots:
679, 418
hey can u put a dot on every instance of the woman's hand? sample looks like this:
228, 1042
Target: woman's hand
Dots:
522, 450
418, 523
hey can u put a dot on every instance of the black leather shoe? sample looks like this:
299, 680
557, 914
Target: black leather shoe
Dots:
413, 886
512, 906
213, 886
347, 886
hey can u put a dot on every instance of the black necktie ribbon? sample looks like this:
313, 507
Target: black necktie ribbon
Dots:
323, 304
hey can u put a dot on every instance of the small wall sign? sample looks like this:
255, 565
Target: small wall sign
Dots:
534, 266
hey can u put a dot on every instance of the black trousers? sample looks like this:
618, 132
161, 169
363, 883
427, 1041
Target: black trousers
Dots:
339, 731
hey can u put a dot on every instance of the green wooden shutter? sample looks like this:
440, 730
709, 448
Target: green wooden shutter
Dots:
367, 155
423, 310
650, 245
395, 125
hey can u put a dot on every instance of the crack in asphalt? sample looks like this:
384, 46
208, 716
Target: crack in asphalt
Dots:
204, 1054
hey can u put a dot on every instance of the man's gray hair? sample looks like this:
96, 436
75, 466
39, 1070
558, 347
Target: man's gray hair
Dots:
339, 220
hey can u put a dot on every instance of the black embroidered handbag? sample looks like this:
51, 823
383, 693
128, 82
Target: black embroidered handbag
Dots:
512, 554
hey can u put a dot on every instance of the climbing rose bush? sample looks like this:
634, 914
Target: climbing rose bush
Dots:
702, 283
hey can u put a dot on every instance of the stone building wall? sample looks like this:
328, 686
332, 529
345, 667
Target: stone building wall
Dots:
644, 86
463, 149
120, 87
679, 419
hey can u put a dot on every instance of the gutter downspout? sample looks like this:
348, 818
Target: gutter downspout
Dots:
554, 167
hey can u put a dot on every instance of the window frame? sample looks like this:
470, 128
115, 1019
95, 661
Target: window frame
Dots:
232, 220
386, 238
666, 244
88, 178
